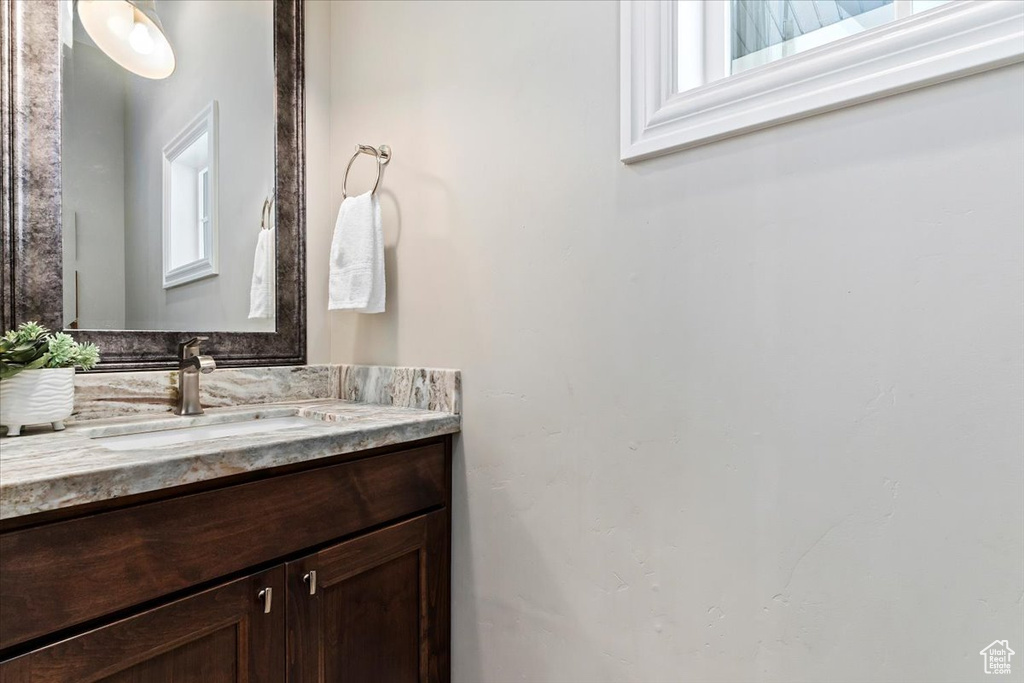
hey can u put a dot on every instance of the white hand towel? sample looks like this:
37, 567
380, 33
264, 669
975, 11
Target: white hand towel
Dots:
262, 294
357, 257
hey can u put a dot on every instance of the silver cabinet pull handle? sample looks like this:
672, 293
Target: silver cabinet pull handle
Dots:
267, 596
310, 580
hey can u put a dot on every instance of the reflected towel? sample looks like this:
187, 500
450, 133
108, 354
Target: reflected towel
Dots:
357, 257
262, 294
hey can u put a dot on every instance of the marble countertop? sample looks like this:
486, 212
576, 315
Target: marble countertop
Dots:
46, 470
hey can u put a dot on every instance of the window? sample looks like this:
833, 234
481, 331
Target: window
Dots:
763, 32
203, 213
694, 71
190, 201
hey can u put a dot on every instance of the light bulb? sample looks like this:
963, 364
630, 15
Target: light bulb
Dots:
119, 24
140, 40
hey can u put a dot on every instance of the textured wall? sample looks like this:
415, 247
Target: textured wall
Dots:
750, 412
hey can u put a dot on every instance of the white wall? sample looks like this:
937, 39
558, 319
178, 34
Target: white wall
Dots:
750, 412
92, 155
224, 51
319, 218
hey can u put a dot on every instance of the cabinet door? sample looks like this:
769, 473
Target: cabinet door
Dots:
222, 635
378, 610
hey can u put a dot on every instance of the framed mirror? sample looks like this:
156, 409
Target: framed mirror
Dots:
153, 176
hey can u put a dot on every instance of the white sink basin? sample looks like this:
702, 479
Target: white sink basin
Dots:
171, 437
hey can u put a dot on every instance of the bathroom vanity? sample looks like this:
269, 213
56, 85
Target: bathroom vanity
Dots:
311, 546
299, 530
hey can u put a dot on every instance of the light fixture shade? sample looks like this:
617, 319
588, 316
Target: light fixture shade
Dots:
130, 33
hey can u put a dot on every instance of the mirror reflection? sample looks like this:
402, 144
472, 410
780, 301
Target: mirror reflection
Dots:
167, 160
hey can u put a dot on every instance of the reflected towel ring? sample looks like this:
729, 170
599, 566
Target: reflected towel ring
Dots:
267, 213
383, 156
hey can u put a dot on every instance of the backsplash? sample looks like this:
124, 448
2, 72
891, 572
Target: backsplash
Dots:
116, 394
425, 388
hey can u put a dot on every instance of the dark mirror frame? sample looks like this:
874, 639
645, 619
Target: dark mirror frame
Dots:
31, 273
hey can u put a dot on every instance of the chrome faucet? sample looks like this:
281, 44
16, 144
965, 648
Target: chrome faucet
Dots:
190, 364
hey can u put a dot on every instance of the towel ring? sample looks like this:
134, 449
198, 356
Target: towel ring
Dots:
383, 156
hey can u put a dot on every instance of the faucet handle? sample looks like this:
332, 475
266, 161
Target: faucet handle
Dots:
190, 347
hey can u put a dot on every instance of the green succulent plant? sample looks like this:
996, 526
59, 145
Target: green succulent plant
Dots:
31, 347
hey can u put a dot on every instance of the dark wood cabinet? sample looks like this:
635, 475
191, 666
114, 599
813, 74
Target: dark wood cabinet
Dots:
129, 555
229, 634
373, 608
337, 571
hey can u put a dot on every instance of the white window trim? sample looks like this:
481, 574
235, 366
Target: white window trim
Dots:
208, 265
954, 40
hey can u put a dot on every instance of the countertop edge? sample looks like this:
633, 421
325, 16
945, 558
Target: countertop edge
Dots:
68, 490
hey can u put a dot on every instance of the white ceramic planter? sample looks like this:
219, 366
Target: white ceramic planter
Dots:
36, 397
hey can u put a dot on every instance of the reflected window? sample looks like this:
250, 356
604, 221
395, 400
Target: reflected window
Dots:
189, 203
203, 213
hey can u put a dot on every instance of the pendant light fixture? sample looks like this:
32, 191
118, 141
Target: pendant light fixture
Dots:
130, 33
